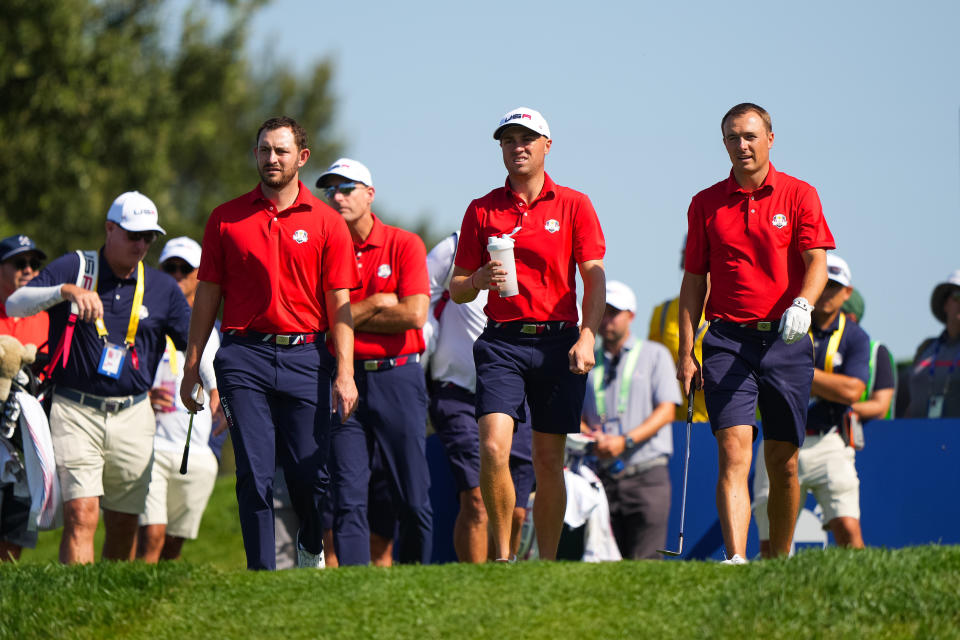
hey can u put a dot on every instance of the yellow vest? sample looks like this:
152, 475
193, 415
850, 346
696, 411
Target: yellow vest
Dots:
665, 329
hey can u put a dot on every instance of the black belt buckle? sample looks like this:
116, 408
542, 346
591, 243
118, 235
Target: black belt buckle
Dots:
112, 406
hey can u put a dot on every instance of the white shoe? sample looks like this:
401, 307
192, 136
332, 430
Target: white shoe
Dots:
307, 560
736, 559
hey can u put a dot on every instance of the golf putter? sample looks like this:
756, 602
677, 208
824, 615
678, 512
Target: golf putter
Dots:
198, 398
686, 467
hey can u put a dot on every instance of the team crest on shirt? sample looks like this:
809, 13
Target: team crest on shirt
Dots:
384, 271
779, 221
300, 236
144, 312
552, 226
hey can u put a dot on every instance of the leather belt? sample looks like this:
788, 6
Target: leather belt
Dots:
634, 469
531, 328
103, 404
281, 339
383, 364
759, 325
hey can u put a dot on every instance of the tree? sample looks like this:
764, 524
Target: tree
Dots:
94, 106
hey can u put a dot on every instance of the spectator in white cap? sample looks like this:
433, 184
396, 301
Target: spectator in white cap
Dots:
935, 378
826, 460
175, 502
632, 396
110, 316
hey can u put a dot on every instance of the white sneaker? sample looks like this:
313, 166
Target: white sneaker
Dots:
307, 560
736, 559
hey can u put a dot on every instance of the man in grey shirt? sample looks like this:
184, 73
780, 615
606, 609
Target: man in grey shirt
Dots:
630, 402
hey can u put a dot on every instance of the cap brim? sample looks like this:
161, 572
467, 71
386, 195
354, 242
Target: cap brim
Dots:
499, 131
19, 250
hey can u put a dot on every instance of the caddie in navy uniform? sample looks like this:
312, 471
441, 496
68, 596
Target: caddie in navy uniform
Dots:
389, 311
109, 314
532, 348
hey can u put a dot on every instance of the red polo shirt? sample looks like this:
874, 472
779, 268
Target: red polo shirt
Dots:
274, 267
390, 260
751, 243
559, 230
30, 330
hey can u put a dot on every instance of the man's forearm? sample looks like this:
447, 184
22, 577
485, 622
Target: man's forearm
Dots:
27, 301
409, 313
693, 292
206, 304
341, 329
661, 416
836, 387
594, 294
815, 277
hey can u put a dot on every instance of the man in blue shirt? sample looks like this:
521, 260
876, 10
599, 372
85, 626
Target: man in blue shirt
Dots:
826, 462
109, 314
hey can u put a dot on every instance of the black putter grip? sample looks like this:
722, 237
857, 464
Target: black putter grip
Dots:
183, 462
690, 404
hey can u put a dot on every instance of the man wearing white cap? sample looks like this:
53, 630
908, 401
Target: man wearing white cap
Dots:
175, 502
826, 462
389, 311
109, 318
935, 378
632, 396
532, 349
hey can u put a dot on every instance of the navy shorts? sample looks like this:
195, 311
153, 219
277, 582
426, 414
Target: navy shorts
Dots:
514, 368
744, 367
452, 413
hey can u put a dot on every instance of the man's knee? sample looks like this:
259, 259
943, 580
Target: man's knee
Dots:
735, 447
781, 458
472, 508
81, 514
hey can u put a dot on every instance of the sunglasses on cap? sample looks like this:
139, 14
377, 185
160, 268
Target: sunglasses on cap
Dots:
345, 188
137, 236
177, 267
22, 263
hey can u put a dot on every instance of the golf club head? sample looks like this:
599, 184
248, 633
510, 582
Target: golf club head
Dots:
673, 554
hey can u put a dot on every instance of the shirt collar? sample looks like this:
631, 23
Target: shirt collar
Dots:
549, 189
377, 236
302, 201
106, 272
769, 183
833, 326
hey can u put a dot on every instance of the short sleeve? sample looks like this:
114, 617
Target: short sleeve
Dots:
339, 270
812, 229
697, 251
885, 377
856, 356
470, 248
63, 269
413, 278
588, 240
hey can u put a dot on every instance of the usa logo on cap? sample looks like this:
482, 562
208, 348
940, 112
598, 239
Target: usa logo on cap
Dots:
779, 221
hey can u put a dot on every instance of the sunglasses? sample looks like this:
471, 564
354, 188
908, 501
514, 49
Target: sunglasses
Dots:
345, 188
137, 236
22, 263
178, 267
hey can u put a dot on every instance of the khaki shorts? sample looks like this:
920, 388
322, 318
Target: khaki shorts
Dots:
103, 454
179, 501
826, 469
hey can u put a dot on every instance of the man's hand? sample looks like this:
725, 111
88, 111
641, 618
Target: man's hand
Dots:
582, 357
688, 372
160, 399
89, 306
191, 377
795, 321
489, 276
220, 423
609, 445
344, 395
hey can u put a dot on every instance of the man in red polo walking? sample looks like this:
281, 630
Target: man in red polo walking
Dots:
531, 348
761, 236
282, 263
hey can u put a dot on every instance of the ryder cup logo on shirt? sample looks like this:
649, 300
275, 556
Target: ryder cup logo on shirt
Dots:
552, 226
144, 312
384, 271
779, 221
300, 236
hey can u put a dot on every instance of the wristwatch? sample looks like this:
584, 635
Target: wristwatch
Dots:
628, 442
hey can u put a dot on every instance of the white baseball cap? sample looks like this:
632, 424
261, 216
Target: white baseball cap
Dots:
349, 169
838, 270
940, 293
525, 117
184, 248
620, 296
135, 212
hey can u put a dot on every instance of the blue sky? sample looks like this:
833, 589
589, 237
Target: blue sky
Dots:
865, 101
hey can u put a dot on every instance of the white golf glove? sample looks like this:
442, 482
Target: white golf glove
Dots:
795, 321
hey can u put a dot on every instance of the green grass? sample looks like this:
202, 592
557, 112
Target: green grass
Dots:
818, 594
908, 593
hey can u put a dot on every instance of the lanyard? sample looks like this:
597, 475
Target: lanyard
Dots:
625, 379
172, 356
933, 366
134, 318
833, 344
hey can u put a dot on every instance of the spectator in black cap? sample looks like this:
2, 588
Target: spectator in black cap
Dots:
20, 261
935, 378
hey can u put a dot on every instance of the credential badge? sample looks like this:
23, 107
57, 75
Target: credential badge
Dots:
779, 221
552, 226
300, 236
384, 271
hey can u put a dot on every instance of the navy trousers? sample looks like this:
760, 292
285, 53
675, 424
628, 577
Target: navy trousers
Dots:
277, 402
392, 411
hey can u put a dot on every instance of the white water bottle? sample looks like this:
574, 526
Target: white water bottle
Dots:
501, 248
